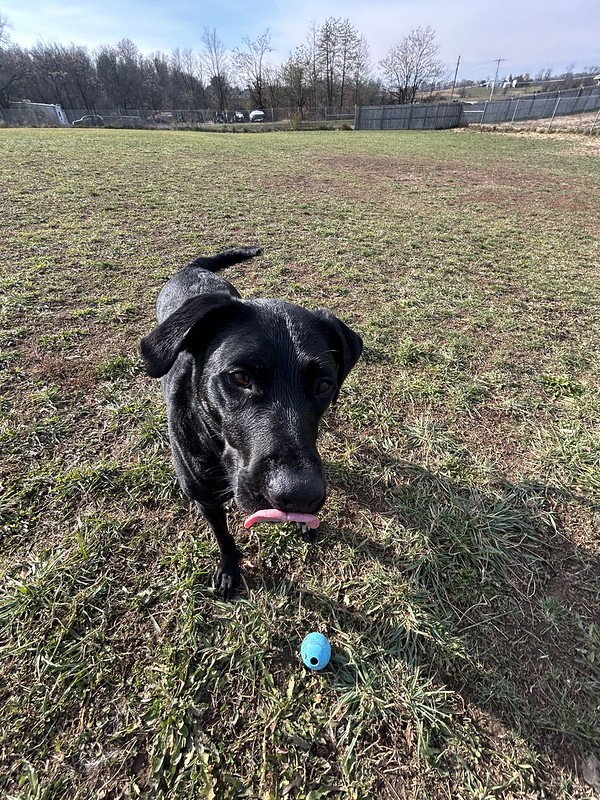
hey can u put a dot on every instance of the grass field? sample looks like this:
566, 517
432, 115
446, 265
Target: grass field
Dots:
458, 571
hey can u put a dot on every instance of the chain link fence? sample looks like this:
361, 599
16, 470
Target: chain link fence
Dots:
545, 108
48, 115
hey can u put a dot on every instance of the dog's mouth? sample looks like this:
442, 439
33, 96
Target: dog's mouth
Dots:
275, 515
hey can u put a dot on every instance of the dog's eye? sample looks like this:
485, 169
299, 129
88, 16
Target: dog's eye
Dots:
241, 378
323, 387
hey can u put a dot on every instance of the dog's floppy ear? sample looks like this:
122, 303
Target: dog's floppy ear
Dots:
347, 344
162, 346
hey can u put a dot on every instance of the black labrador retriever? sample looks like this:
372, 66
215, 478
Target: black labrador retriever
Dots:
246, 383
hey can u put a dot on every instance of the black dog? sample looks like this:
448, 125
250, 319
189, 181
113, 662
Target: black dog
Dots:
245, 382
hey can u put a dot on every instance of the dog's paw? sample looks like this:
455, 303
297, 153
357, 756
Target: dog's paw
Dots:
227, 579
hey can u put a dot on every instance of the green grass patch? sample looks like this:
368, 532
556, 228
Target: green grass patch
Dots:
457, 573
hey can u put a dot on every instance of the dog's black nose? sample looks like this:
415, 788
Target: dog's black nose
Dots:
295, 491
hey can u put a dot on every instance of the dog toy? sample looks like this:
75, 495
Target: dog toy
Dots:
315, 651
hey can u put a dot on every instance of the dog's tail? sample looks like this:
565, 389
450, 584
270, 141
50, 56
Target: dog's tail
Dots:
225, 259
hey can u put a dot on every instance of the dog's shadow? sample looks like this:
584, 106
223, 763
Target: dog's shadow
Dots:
478, 589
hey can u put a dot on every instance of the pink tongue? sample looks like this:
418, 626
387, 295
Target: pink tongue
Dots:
274, 515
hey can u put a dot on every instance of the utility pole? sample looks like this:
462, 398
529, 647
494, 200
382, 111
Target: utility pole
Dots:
454, 83
496, 76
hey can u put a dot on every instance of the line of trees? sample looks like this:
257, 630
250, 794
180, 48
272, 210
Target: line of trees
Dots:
332, 68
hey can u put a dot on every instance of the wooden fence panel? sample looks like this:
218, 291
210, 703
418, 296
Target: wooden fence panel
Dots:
435, 116
418, 116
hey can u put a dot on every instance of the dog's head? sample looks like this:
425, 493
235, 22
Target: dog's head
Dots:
264, 372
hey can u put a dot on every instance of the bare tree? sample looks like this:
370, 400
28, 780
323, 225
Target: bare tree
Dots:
340, 53
275, 93
412, 62
328, 53
361, 71
4, 37
83, 76
216, 63
312, 55
10, 63
131, 74
252, 67
186, 76
107, 70
349, 43
64, 74
296, 78
52, 74
120, 72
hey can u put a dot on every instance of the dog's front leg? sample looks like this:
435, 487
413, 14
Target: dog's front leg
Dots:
227, 577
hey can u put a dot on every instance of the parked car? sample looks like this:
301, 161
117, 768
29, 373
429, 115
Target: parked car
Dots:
220, 118
257, 116
239, 116
89, 121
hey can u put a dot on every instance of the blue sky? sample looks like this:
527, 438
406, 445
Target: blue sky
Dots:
529, 35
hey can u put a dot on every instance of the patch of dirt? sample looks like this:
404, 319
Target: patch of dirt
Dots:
522, 190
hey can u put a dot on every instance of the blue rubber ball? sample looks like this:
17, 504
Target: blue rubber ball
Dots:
315, 651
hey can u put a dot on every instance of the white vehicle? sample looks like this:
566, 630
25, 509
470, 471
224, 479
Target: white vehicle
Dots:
257, 116
29, 113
